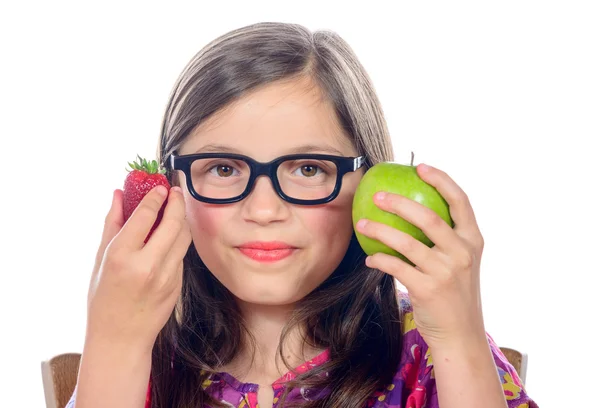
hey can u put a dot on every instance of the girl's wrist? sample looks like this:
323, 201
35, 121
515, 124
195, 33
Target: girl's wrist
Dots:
466, 373
113, 374
465, 342
133, 349
469, 349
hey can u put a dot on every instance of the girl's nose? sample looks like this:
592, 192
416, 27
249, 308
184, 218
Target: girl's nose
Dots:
263, 206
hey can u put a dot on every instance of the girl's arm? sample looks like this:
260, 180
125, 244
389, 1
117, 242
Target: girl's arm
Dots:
133, 291
443, 283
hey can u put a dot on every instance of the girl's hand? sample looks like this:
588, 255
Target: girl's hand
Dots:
134, 286
444, 283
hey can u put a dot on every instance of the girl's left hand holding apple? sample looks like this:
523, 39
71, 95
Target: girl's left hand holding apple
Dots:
443, 286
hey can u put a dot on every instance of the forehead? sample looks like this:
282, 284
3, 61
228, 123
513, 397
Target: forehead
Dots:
276, 119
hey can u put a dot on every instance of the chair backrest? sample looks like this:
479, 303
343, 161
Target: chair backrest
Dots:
518, 360
59, 376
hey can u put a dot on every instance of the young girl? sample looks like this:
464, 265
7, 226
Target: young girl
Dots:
253, 291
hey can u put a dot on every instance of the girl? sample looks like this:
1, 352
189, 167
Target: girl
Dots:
253, 291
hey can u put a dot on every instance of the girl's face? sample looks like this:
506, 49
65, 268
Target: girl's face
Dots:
279, 119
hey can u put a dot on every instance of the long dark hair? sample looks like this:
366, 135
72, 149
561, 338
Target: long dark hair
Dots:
355, 312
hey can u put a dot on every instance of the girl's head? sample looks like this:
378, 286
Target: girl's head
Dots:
266, 91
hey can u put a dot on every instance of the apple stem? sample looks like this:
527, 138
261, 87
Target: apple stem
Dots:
412, 158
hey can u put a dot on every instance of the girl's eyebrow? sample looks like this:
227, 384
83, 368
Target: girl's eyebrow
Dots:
308, 148
217, 148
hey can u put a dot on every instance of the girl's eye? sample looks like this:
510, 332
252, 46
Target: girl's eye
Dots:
309, 170
223, 170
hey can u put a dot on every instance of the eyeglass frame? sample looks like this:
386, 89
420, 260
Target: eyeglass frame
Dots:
343, 164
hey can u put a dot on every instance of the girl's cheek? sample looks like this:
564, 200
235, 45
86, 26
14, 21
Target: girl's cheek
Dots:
329, 221
335, 219
203, 219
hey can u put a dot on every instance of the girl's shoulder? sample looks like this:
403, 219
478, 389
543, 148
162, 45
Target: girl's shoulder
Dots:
415, 364
412, 379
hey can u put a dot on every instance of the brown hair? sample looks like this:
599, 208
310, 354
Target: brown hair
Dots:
355, 312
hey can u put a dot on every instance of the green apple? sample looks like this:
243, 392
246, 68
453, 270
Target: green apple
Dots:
399, 179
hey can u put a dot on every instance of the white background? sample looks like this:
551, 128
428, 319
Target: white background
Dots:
504, 96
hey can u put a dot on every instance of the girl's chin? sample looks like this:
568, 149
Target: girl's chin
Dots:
269, 292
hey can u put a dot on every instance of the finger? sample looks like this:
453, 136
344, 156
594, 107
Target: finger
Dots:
173, 264
461, 210
113, 223
177, 283
177, 252
416, 251
167, 232
424, 218
138, 226
410, 277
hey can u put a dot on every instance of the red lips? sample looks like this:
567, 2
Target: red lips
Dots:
267, 251
266, 245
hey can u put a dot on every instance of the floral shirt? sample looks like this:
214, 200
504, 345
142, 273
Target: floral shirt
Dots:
412, 387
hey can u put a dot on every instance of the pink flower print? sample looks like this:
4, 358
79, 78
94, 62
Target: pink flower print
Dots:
410, 371
417, 398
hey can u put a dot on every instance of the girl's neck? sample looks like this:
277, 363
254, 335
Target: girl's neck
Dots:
266, 324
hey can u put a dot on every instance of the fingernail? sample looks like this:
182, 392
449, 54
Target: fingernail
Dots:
176, 189
424, 167
380, 196
162, 191
114, 199
361, 224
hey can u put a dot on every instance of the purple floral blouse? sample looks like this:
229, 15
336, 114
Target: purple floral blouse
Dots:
413, 385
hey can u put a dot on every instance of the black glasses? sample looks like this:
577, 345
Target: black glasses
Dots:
307, 179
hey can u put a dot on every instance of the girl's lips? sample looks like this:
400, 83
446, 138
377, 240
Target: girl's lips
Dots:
267, 255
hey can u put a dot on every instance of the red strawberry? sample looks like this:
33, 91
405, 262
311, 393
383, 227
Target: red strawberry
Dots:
143, 177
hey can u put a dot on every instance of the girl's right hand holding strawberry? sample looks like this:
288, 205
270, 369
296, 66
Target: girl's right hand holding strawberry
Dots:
135, 286
133, 290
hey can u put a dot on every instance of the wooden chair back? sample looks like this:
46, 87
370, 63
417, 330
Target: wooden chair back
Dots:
518, 360
59, 376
